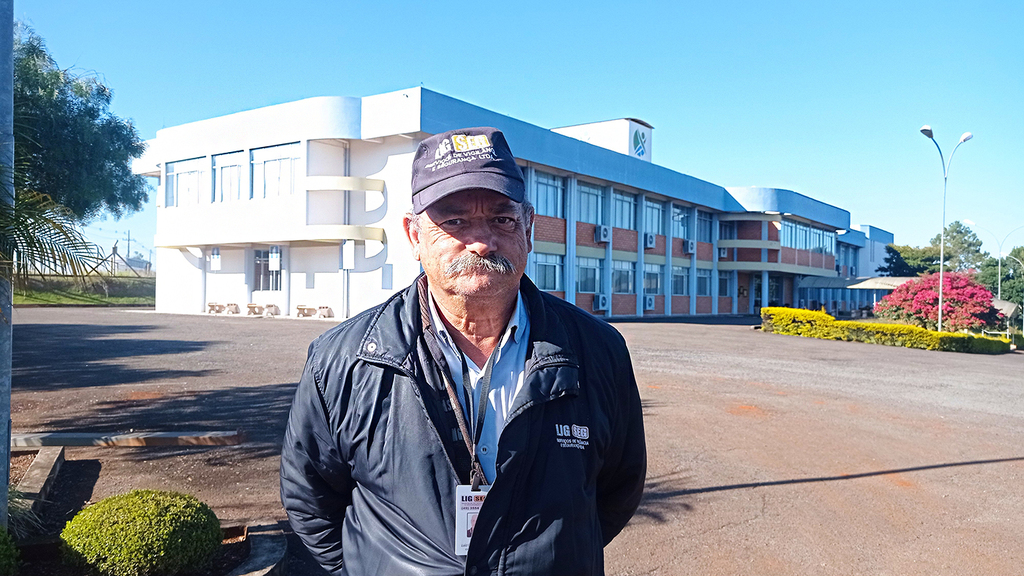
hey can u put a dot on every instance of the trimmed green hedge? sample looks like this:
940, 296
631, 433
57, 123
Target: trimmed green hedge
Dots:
813, 324
142, 533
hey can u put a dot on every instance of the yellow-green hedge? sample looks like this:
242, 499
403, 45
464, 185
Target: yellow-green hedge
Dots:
820, 325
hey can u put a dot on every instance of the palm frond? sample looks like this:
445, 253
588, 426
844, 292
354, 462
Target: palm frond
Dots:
37, 236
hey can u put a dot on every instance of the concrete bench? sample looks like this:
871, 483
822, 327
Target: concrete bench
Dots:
232, 309
271, 310
303, 311
255, 310
325, 312
214, 308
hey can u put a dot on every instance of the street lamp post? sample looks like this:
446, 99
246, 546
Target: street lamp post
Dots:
927, 131
1022, 300
999, 258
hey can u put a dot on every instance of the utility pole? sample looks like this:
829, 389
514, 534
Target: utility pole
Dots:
7, 197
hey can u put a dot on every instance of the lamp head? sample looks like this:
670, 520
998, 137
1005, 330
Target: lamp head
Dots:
926, 130
965, 137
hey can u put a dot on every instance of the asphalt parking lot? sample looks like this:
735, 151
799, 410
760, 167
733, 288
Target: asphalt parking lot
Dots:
768, 454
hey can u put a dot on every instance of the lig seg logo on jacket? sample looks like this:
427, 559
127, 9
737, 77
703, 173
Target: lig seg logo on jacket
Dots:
572, 436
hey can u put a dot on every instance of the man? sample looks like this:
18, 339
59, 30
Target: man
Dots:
392, 460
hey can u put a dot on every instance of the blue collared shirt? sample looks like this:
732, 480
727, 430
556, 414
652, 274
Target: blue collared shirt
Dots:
506, 379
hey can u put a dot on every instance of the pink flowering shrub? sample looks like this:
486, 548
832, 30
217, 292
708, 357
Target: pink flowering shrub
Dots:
965, 303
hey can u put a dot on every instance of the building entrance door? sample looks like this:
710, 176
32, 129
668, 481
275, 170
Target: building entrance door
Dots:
774, 291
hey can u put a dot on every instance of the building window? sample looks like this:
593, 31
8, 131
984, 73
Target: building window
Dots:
652, 279
227, 176
550, 195
591, 203
588, 275
183, 182
654, 217
703, 226
703, 282
723, 284
624, 211
549, 271
788, 235
273, 170
623, 274
265, 276
681, 222
726, 230
681, 280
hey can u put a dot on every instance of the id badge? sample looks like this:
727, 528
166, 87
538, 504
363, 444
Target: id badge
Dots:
467, 508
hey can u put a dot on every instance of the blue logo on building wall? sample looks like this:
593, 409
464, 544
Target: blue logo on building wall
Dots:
639, 143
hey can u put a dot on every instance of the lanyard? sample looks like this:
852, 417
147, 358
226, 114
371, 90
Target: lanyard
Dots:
477, 472
484, 388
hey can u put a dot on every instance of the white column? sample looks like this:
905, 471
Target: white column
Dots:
531, 260
606, 272
250, 273
714, 261
693, 260
204, 267
734, 291
641, 226
764, 288
667, 270
571, 215
286, 280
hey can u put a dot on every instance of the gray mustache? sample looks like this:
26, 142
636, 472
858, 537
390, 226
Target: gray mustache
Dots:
471, 263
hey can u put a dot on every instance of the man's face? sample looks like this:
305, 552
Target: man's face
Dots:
472, 243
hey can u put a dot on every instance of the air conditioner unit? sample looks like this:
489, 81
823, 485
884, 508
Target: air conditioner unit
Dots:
648, 302
650, 240
689, 246
600, 302
723, 252
602, 234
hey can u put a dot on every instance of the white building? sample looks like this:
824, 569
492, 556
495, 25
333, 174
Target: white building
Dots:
301, 204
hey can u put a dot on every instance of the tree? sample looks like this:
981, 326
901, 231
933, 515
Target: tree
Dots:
963, 248
965, 303
909, 260
34, 230
73, 149
1013, 278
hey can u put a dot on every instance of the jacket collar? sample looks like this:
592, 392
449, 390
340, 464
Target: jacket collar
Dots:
398, 323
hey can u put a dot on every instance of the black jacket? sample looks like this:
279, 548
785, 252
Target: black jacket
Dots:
372, 454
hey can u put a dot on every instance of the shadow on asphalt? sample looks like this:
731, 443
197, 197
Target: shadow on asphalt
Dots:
660, 500
261, 412
83, 351
678, 493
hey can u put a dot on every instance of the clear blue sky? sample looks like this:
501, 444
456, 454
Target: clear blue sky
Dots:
818, 97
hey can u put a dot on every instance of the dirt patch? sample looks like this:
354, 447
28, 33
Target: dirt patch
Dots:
46, 560
20, 461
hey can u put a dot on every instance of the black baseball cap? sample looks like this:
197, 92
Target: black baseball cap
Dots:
464, 159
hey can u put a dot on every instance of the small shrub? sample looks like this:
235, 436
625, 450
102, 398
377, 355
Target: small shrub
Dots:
142, 533
8, 554
813, 324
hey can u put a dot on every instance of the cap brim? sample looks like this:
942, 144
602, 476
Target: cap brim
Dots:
514, 188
